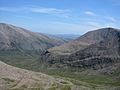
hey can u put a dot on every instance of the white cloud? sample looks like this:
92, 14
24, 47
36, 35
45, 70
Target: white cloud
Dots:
52, 11
94, 24
39, 10
90, 13
104, 24
100, 21
9, 9
49, 10
111, 19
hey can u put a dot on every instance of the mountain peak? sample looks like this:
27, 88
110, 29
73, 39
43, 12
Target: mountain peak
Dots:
109, 29
99, 34
13, 37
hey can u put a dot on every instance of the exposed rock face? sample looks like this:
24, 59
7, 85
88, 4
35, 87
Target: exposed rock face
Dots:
16, 38
96, 49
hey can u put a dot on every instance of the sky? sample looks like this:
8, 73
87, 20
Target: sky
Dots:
61, 16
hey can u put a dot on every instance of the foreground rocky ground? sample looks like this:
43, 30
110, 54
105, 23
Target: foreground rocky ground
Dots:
13, 78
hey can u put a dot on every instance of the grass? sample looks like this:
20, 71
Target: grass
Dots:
60, 87
17, 89
18, 59
66, 87
8, 80
37, 88
87, 81
52, 88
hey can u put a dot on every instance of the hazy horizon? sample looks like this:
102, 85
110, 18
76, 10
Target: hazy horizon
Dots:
61, 16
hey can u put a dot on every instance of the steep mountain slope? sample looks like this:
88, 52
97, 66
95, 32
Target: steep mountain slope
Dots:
20, 47
16, 38
12, 78
105, 48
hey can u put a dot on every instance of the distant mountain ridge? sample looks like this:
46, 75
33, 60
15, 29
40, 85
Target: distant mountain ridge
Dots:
66, 37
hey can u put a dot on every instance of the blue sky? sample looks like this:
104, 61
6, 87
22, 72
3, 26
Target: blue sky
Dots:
61, 16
